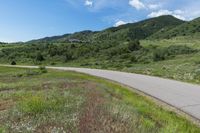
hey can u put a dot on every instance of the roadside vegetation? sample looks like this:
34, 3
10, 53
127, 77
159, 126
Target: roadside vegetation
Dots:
57, 101
176, 58
164, 46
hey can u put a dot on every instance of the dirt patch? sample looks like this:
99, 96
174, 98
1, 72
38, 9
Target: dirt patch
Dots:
7, 90
68, 85
98, 117
51, 127
43, 86
88, 85
71, 85
8, 79
88, 121
4, 105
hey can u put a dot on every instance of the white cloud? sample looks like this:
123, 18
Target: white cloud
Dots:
159, 13
120, 22
137, 4
154, 6
177, 13
89, 3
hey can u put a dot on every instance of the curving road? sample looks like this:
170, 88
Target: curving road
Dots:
183, 96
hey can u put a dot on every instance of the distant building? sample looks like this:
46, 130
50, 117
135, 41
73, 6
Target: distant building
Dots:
74, 40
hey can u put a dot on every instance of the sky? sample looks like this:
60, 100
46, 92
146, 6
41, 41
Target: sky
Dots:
23, 20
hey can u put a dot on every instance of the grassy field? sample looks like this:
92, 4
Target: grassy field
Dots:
56, 101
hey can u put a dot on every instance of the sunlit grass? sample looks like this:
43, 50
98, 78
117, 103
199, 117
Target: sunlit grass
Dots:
73, 102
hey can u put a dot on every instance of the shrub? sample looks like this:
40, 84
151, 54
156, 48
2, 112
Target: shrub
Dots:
134, 45
171, 51
68, 57
13, 63
39, 57
159, 55
53, 63
178, 50
43, 69
133, 59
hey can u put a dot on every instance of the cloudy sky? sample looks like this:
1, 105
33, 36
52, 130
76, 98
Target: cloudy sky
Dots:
22, 20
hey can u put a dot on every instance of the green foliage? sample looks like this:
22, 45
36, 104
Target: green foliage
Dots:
164, 53
134, 45
186, 29
133, 58
2, 130
109, 44
13, 63
39, 57
42, 69
38, 104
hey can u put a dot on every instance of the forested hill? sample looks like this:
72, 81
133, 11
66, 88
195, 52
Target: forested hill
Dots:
189, 28
131, 31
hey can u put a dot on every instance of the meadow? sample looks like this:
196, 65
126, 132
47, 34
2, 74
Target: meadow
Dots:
41, 100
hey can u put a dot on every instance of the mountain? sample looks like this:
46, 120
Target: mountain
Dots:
140, 30
131, 31
186, 29
82, 36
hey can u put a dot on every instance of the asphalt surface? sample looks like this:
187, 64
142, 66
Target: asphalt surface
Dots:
183, 96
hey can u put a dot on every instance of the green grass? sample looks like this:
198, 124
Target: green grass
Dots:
73, 102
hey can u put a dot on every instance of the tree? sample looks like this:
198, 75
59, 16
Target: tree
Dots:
13, 63
39, 57
68, 56
134, 45
159, 55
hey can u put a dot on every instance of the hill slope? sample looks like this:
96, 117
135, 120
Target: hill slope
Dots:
186, 29
131, 31
140, 30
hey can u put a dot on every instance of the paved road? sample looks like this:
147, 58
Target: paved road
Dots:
183, 96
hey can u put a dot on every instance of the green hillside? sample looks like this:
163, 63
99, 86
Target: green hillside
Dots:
136, 47
139, 30
186, 29
132, 31
82, 36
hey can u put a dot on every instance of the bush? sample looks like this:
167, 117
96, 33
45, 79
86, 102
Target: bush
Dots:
39, 57
133, 59
52, 63
178, 50
171, 51
43, 69
13, 63
159, 55
134, 45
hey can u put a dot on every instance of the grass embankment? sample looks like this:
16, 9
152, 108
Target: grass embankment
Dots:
57, 101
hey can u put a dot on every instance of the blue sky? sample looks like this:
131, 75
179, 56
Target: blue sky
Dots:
22, 20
